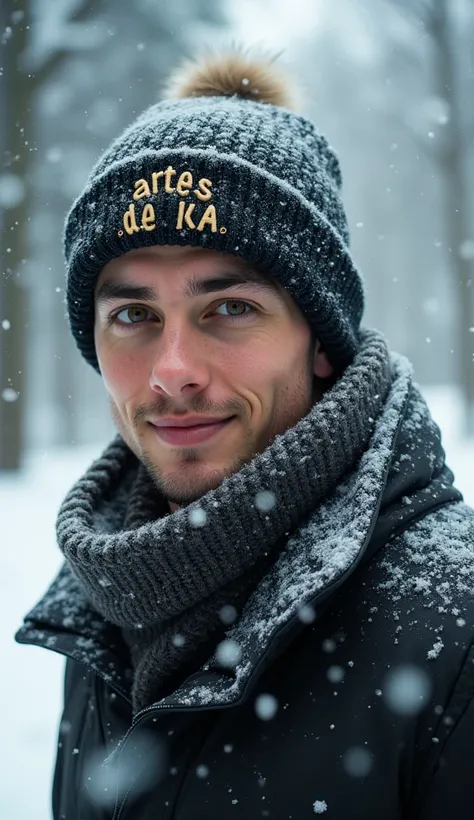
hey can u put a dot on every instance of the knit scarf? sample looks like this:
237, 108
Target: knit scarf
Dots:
170, 580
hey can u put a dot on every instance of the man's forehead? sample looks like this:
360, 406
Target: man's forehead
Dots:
175, 255
195, 264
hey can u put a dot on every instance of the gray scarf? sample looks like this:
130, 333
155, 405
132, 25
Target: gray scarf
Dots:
165, 578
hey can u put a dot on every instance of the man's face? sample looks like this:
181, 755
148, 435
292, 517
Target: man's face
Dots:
205, 361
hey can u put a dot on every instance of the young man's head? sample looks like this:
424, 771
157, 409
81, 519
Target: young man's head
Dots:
209, 277
205, 360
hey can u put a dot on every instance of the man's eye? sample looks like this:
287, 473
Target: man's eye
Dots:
235, 308
131, 315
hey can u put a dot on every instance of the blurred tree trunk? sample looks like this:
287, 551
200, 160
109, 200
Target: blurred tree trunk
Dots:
17, 145
454, 164
65, 368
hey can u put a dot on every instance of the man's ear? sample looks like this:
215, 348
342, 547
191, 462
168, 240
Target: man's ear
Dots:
322, 367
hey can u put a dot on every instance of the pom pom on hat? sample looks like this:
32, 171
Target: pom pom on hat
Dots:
234, 73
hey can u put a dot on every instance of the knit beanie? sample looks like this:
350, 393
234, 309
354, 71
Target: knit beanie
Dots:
225, 164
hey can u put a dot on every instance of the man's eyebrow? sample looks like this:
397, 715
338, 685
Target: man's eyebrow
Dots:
198, 287
109, 291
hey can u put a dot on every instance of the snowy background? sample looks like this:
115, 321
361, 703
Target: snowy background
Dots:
371, 75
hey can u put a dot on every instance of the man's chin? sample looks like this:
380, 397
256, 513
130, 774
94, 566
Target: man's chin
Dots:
180, 491
188, 473
188, 483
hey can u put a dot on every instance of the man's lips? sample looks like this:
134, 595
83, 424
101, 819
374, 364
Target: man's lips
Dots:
188, 432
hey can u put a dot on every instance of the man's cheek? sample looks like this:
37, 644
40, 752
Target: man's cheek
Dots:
120, 378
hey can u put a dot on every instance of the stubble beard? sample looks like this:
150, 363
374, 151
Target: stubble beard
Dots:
187, 483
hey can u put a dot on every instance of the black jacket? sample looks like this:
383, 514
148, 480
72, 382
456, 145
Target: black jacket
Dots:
390, 581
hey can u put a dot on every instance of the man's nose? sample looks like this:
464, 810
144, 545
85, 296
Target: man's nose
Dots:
179, 367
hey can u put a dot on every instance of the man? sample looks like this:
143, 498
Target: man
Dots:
266, 600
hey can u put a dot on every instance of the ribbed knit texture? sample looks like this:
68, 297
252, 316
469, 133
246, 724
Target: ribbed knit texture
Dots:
276, 190
162, 577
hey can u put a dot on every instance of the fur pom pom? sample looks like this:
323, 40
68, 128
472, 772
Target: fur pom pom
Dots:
232, 74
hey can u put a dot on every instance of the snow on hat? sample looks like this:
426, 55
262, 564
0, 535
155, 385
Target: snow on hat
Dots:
223, 164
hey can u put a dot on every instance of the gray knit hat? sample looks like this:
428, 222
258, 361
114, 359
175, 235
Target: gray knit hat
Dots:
227, 166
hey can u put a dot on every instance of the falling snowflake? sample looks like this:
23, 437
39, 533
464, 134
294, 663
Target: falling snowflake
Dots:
228, 614
197, 517
357, 761
335, 674
229, 653
12, 190
9, 394
407, 689
266, 707
265, 501
202, 771
306, 614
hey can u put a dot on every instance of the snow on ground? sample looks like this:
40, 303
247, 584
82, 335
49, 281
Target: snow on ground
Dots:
31, 682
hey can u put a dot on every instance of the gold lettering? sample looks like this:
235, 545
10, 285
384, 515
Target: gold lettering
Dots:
148, 217
141, 189
185, 213
168, 174
184, 183
203, 193
208, 218
154, 180
129, 221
